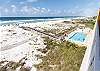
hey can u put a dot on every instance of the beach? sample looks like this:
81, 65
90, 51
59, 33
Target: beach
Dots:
21, 43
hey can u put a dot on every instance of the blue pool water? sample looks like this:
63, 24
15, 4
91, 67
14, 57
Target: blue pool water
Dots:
78, 37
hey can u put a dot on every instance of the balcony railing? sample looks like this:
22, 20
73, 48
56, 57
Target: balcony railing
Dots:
91, 60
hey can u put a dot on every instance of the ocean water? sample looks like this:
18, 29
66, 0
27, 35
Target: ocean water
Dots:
15, 20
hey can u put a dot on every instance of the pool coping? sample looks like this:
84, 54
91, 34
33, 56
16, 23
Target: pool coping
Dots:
74, 41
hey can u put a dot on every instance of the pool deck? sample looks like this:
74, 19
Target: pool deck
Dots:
85, 31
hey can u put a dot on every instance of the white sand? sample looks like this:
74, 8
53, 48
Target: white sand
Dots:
10, 35
27, 49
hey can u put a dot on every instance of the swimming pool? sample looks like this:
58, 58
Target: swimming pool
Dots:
79, 36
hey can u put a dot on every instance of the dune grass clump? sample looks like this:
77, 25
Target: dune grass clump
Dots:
62, 56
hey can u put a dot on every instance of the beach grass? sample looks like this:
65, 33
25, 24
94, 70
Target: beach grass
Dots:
62, 56
59, 32
90, 24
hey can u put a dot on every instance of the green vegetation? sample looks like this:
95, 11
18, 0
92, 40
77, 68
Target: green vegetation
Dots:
90, 24
71, 29
62, 56
53, 31
59, 32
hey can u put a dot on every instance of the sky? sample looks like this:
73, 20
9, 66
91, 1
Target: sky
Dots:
37, 8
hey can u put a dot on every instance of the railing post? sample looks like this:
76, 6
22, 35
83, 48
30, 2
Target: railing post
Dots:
99, 22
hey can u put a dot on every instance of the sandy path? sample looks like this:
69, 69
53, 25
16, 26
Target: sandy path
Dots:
15, 44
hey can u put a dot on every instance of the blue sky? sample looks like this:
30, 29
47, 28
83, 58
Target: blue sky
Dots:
49, 7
